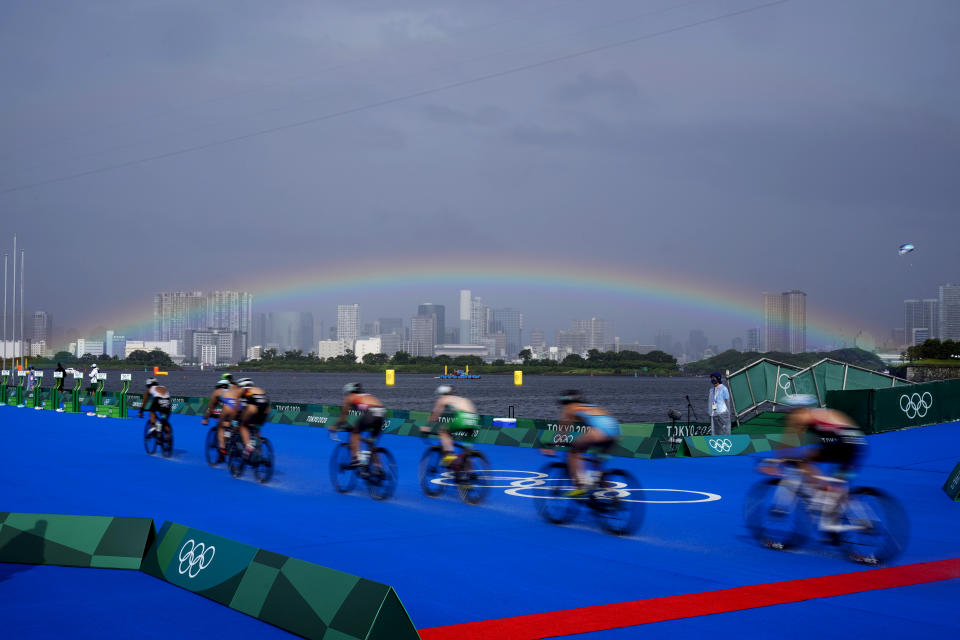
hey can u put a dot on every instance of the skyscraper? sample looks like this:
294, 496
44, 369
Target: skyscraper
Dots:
479, 321
795, 313
510, 323
42, 327
921, 319
537, 339
949, 315
438, 311
423, 334
599, 332
231, 310
348, 323
290, 331
465, 316
753, 340
774, 334
175, 312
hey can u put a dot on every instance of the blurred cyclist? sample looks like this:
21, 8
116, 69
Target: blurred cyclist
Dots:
839, 441
228, 398
371, 417
156, 401
253, 413
464, 418
602, 431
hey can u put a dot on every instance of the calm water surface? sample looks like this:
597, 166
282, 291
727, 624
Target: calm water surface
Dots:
629, 399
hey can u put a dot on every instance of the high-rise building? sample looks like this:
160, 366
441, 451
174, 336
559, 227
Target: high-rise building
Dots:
479, 321
784, 322
572, 340
753, 340
664, 342
696, 344
949, 316
231, 310
921, 320
215, 346
774, 335
537, 339
795, 313
176, 312
42, 327
348, 323
510, 323
118, 346
258, 329
390, 325
438, 311
290, 331
599, 332
108, 343
465, 308
423, 334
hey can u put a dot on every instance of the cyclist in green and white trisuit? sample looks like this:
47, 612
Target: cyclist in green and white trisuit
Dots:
464, 418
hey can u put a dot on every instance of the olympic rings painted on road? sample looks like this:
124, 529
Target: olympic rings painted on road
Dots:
534, 481
916, 405
194, 559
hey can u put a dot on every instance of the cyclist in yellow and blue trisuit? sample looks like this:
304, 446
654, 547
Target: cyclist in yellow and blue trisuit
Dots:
602, 431
464, 418
372, 413
156, 401
228, 398
253, 413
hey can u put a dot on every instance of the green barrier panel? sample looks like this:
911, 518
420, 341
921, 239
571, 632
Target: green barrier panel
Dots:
916, 405
71, 404
952, 485
52, 403
114, 405
19, 391
301, 597
74, 541
4, 393
739, 444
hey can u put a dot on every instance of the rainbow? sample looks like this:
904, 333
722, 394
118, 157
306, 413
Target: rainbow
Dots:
671, 289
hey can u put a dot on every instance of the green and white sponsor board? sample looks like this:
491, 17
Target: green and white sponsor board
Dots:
301, 597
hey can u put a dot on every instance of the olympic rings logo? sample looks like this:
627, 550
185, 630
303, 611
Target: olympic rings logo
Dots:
194, 557
916, 405
538, 485
721, 445
783, 381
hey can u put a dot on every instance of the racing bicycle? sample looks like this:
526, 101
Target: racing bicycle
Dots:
261, 458
376, 467
211, 448
469, 473
785, 509
160, 437
607, 498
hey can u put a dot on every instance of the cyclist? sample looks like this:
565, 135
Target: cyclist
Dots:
372, 413
839, 441
464, 418
156, 401
602, 431
256, 408
228, 398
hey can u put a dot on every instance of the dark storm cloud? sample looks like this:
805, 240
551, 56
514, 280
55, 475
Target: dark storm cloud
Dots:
236, 138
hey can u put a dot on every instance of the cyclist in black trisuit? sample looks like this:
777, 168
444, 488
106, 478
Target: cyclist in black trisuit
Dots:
371, 417
156, 401
602, 430
255, 410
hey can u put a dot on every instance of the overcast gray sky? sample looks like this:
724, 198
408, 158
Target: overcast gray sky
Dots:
192, 145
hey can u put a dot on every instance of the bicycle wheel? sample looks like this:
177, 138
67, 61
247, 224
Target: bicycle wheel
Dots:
210, 448
166, 440
149, 439
381, 474
874, 526
263, 470
342, 475
553, 506
430, 470
235, 460
611, 503
473, 477
775, 515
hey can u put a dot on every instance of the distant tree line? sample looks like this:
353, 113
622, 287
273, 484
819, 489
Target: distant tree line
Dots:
933, 349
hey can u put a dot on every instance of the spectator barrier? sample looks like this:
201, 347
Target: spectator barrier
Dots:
952, 485
74, 541
879, 410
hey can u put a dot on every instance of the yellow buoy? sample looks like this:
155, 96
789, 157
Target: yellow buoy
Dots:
390, 377
518, 378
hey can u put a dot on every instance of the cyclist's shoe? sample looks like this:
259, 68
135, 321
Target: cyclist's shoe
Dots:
153, 429
248, 452
577, 492
448, 459
221, 455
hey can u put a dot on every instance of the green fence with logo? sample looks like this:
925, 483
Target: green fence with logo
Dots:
74, 541
301, 597
878, 410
